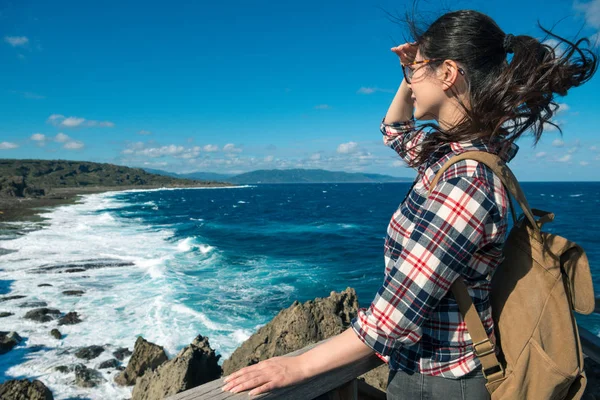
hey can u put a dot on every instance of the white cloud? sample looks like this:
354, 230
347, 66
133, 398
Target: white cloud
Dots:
143, 132
73, 145
562, 107
38, 137
366, 90
558, 143
584, 163
371, 90
269, 159
61, 138
551, 128
211, 148
540, 154
72, 122
55, 117
323, 107
315, 157
346, 148
564, 158
28, 95
15, 41
172, 150
398, 163
230, 148
8, 146
591, 10
75, 122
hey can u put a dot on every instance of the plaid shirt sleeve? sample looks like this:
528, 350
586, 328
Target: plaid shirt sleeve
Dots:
448, 229
403, 137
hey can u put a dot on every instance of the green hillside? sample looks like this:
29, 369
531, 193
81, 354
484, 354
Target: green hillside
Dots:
22, 178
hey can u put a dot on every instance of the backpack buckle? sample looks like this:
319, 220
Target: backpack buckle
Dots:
485, 351
496, 372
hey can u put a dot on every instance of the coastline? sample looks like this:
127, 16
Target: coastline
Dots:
27, 209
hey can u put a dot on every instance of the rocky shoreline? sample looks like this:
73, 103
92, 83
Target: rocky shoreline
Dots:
27, 208
153, 376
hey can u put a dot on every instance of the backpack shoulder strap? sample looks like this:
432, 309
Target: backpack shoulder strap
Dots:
483, 347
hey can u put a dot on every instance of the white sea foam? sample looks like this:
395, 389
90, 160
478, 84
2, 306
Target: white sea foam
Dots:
119, 303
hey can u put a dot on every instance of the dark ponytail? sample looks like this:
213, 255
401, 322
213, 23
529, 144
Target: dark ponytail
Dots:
506, 98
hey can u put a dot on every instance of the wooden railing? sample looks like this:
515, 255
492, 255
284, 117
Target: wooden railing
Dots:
339, 384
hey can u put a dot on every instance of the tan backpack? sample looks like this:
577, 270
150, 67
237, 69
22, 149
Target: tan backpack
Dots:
543, 278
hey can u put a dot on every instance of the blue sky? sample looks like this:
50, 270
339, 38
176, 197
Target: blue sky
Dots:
234, 86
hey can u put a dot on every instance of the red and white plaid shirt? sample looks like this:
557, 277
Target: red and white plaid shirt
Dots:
414, 322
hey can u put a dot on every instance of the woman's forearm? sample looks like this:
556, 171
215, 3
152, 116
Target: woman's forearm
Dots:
340, 350
402, 107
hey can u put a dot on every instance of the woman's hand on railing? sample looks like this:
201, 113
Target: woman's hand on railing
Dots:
276, 372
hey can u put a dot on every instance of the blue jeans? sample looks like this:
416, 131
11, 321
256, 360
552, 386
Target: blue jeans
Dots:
417, 386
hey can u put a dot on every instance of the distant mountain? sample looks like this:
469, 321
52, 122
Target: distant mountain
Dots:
203, 176
22, 178
311, 176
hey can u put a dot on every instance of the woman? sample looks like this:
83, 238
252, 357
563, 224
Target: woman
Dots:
456, 73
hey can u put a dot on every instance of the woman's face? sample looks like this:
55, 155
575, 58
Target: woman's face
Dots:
427, 91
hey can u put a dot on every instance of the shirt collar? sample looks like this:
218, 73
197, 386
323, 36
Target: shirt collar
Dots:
504, 149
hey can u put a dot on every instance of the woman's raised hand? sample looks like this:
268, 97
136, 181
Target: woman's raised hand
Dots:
407, 52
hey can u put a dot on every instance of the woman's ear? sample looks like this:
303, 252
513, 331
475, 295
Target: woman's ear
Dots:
449, 74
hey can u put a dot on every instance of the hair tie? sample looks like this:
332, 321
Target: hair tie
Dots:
508, 43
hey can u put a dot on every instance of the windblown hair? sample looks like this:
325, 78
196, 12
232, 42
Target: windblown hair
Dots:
506, 98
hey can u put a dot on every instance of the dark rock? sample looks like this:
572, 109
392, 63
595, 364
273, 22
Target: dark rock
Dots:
89, 352
71, 318
73, 292
296, 327
42, 314
82, 266
31, 304
8, 340
5, 314
6, 298
377, 377
112, 363
44, 284
195, 365
71, 270
121, 353
24, 390
146, 356
56, 334
63, 368
87, 377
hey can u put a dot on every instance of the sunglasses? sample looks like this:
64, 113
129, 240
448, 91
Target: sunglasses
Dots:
409, 72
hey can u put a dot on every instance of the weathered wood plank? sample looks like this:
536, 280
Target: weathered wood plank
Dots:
348, 391
368, 392
308, 389
590, 344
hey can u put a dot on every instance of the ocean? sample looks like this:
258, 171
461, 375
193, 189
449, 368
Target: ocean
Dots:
220, 262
